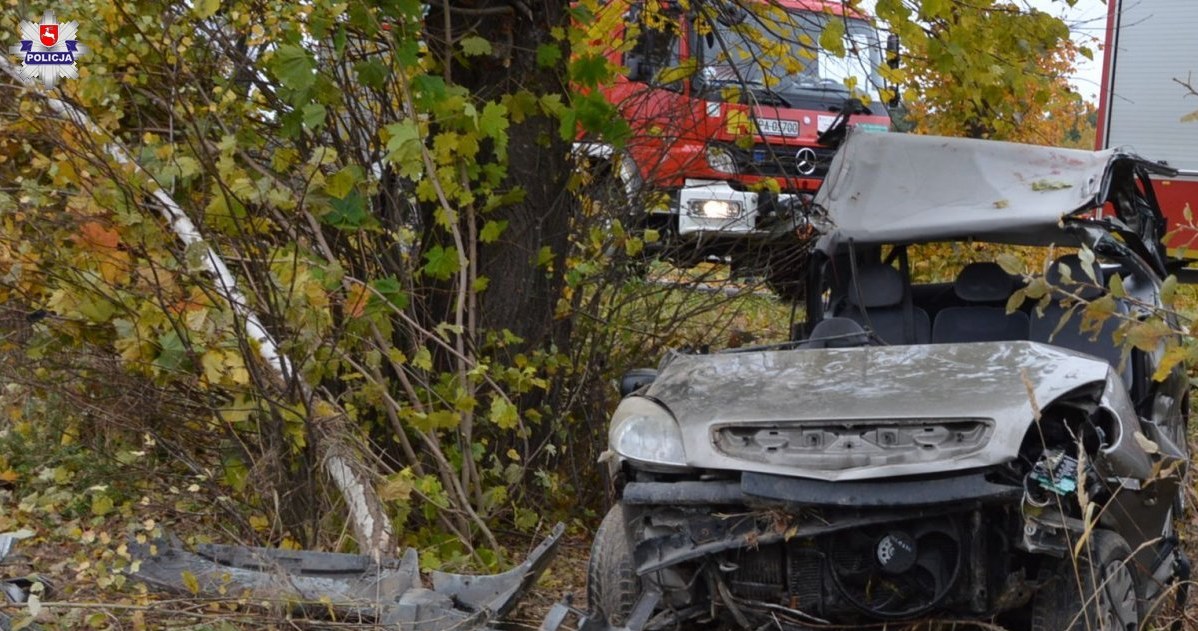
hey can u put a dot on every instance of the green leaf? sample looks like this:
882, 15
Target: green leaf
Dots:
441, 262
589, 70
392, 295
101, 505
832, 39
1169, 290
1115, 285
443, 419
314, 114
494, 123
491, 230
526, 518
405, 148
371, 73
341, 182
544, 256
205, 9
423, 359
172, 353
294, 67
348, 213
474, 46
596, 115
504, 414
548, 55
1016, 301
428, 90
96, 309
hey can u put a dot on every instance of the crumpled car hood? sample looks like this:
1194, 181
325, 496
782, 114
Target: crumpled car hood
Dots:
728, 404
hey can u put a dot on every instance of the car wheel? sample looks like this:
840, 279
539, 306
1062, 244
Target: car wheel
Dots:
612, 583
1098, 592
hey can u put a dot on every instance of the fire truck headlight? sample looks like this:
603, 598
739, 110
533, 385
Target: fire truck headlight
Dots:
715, 209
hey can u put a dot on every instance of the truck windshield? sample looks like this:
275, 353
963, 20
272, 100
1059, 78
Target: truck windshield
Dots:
785, 57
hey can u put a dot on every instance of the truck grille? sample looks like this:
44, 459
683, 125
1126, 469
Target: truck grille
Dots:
783, 161
846, 445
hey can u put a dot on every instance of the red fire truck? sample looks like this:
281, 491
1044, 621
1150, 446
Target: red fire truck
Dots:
727, 105
1146, 102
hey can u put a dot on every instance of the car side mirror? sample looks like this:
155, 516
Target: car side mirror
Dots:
636, 379
634, 67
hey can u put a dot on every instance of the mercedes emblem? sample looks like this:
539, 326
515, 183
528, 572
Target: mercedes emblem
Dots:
806, 161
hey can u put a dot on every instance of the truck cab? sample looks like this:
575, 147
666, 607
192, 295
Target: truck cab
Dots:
727, 104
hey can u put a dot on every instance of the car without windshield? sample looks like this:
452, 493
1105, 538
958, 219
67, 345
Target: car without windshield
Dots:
980, 449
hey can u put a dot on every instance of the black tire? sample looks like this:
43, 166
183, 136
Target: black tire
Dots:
1100, 592
612, 584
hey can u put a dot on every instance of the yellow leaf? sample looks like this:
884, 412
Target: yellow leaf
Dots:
1115, 284
214, 366
1147, 445
1173, 356
236, 366
397, 487
190, 582
101, 505
1010, 263
355, 301
504, 414
206, 8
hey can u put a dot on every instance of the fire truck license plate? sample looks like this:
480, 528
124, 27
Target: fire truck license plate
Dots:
775, 127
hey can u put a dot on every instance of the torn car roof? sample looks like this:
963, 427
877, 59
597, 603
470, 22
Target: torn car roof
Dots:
898, 188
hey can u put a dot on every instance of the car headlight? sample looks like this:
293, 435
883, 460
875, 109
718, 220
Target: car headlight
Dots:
715, 209
720, 159
643, 431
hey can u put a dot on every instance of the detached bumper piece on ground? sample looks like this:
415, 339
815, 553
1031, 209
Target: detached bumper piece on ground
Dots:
345, 587
16, 590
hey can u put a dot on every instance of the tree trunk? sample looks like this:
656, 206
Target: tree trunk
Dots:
522, 295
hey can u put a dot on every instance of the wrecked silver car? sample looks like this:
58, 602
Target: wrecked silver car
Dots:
962, 449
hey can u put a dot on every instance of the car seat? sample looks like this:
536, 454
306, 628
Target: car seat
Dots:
836, 333
984, 288
875, 301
